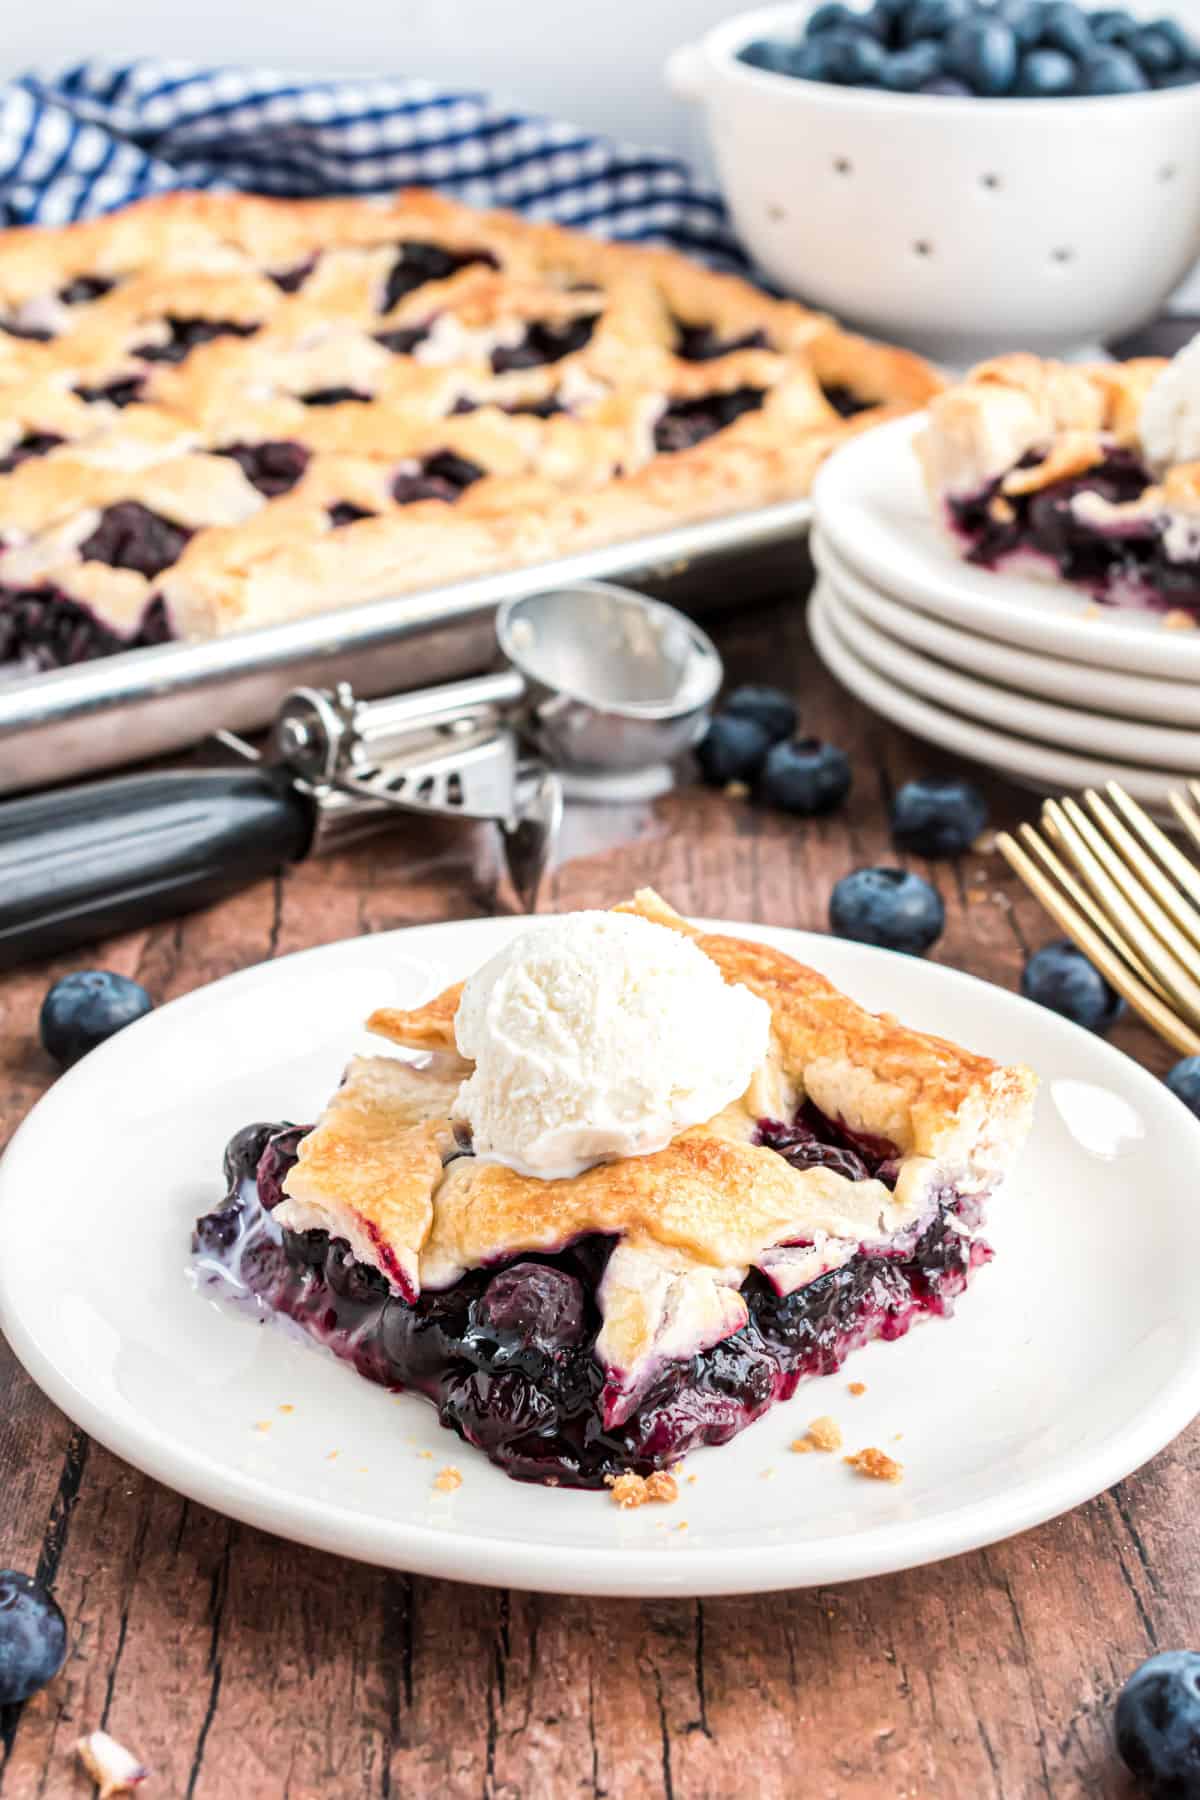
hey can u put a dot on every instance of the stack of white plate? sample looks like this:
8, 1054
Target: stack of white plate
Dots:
1029, 677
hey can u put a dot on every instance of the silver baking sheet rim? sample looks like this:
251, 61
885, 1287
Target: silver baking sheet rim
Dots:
145, 703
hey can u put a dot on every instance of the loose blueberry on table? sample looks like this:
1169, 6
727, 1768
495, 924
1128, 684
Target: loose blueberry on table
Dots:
938, 816
33, 1637
806, 777
986, 49
1061, 977
1184, 1082
83, 1009
890, 907
1158, 1725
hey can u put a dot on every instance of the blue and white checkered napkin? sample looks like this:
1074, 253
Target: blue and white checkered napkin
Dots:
90, 138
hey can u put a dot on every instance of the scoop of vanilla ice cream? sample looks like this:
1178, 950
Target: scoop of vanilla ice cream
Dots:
600, 1035
1169, 422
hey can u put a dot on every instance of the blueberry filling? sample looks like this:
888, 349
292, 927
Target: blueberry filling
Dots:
273, 467
689, 422
1117, 562
404, 340
418, 263
333, 396
535, 409
34, 443
544, 342
125, 391
844, 400
344, 512
130, 536
43, 629
442, 476
188, 334
702, 343
290, 281
84, 289
507, 1353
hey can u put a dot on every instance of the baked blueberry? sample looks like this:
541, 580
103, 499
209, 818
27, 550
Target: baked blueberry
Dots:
807, 777
733, 749
891, 907
938, 816
1061, 977
33, 1637
542, 1306
84, 1008
1184, 1082
769, 707
1158, 1724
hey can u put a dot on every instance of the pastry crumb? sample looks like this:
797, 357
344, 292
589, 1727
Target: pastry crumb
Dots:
682, 1525
691, 1481
425, 1455
976, 896
736, 790
984, 844
857, 1387
333, 1456
768, 1474
447, 1479
630, 1490
1178, 620
263, 1425
875, 1464
823, 1434
287, 1409
114, 1769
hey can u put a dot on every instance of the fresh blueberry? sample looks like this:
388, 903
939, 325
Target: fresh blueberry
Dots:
1184, 77
833, 16
938, 817
1024, 19
1061, 977
1066, 27
851, 59
880, 21
891, 907
1045, 74
806, 777
1154, 51
929, 19
1113, 25
733, 750
33, 1637
1184, 1082
769, 707
907, 70
982, 51
949, 85
1158, 1724
1111, 72
1179, 36
83, 1009
768, 53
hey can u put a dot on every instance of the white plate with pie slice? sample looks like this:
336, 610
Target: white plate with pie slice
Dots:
1076, 684
1070, 728
1073, 1357
1045, 768
870, 505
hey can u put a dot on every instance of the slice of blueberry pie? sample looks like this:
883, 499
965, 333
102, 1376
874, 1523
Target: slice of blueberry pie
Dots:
622, 1191
1085, 474
220, 411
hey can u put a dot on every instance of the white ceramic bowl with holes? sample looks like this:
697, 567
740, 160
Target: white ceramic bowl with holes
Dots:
963, 227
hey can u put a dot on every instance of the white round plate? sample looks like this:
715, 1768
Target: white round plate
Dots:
1053, 677
1073, 1358
869, 503
1040, 766
1152, 746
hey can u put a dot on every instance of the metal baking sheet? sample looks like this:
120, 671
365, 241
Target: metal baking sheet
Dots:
145, 703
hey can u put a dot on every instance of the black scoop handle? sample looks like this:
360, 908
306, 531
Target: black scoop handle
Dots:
83, 863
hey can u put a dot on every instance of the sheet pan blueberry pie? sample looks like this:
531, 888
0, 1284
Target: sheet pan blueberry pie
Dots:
620, 1192
1088, 474
220, 411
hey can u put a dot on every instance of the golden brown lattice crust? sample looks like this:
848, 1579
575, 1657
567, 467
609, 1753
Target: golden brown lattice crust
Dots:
691, 1220
1068, 415
308, 302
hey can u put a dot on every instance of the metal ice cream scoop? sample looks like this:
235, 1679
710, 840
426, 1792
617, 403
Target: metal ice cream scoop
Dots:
597, 679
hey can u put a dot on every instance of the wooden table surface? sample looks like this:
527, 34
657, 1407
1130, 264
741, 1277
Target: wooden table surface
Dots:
241, 1666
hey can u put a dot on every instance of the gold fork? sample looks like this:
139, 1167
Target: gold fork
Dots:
1126, 895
